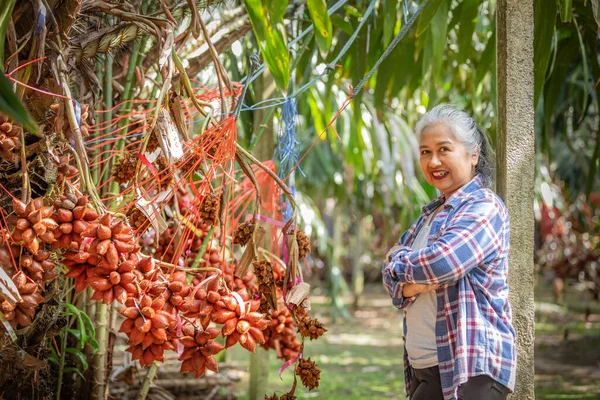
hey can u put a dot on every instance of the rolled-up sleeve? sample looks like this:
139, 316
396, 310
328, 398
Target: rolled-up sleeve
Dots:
473, 236
392, 285
394, 289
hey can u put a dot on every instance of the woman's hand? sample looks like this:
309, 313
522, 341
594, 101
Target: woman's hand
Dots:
413, 289
388, 256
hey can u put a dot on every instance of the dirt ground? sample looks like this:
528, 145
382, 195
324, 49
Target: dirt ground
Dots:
362, 358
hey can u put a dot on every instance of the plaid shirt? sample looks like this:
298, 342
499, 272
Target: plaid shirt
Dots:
467, 252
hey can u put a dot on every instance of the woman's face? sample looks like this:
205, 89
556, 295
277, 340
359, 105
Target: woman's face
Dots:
445, 161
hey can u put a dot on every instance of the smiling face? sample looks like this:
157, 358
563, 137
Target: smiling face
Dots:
445, 160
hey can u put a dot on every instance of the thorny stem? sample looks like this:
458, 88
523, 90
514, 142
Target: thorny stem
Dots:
26, 193
147, 382
87, 183
202, 250
79, 146
99, 387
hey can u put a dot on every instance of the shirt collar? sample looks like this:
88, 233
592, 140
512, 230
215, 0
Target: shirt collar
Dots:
456, 197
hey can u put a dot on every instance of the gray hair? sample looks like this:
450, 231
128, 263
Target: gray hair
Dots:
468, 132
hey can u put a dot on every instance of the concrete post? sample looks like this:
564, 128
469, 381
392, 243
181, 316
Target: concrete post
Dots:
515, 181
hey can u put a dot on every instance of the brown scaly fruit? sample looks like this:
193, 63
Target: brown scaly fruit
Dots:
189, 163
73, 214
264, 273
165, 173
309, 327
39, 267
146, 327
243, 232
66, 171
303, 244
61, 122
209, 209
35, 224
22, 313
199, 351
137, 219
280, 335
309, 373
245, 286
125, 169
175, 292
266, 283
110, 246
203, 305
152, 144
9, 139
245, 329
110, 285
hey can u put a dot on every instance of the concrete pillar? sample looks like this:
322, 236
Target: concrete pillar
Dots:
515, 181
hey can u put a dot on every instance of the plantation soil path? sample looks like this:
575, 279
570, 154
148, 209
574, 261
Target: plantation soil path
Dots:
362, 358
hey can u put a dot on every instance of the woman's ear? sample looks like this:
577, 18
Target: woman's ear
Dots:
475, 157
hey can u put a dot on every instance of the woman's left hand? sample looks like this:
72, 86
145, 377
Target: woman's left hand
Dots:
389, 254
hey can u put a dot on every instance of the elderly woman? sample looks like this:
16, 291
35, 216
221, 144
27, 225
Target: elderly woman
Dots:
449, 271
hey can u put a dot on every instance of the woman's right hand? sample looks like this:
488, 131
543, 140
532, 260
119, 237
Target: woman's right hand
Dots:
413, 289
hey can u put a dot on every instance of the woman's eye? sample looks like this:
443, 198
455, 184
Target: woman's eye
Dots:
424, 152
444, 149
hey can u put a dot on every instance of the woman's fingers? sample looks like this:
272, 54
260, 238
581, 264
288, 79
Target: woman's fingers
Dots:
388, 256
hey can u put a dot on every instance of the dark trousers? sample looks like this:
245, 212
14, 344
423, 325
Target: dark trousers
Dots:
426, 385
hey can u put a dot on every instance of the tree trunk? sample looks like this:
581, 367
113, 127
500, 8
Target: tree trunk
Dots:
516, 171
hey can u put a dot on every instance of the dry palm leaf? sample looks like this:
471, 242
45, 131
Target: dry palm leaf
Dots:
8, 290
249, 254
105, 40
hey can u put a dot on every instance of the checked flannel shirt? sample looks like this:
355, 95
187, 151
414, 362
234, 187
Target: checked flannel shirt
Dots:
467, 250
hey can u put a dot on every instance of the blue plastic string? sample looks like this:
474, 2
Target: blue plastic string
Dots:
288, 148
77, 112
41, 21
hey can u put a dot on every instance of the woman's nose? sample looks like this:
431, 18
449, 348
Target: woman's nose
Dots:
434, 161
